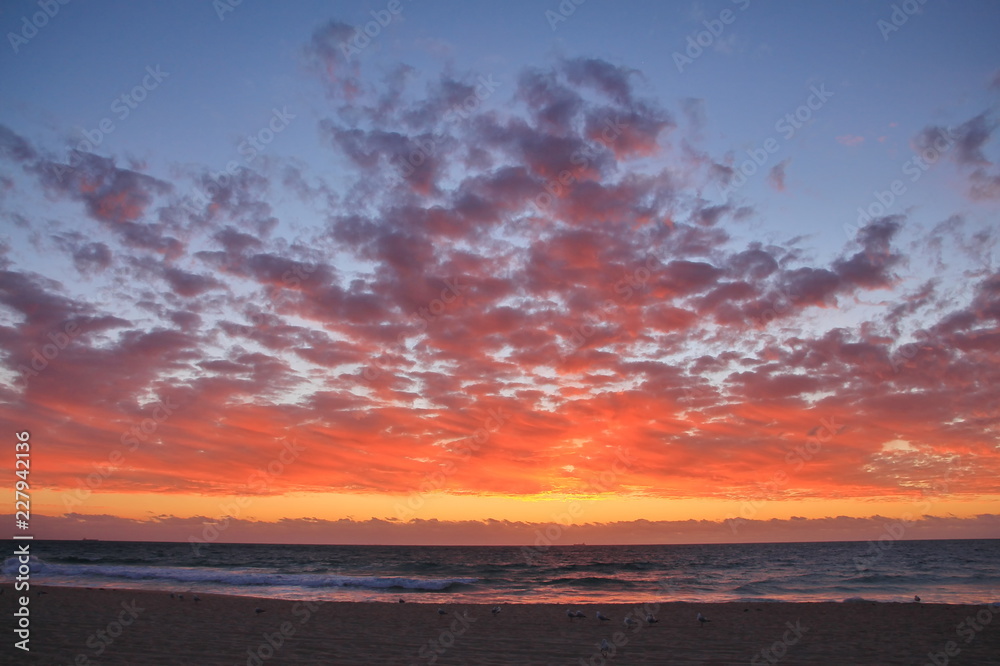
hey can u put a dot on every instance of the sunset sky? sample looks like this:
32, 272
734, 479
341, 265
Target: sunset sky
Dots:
636, 267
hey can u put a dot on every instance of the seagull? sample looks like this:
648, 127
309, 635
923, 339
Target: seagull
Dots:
258, 610
630, 621
703, 619
605, 647
916, 598
580, 614
402, 601
601, 616
442, 611
496, 611
651, 619
197, 598
570, 614
181, 597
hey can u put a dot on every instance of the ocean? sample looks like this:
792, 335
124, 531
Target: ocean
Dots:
960, 571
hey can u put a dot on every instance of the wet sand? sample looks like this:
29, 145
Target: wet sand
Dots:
91, 626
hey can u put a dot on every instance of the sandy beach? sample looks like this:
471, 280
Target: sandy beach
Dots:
113, 626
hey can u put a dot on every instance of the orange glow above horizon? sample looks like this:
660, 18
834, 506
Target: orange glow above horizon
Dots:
537, 509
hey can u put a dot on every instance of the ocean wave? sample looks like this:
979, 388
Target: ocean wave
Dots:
591, 582
71, 559
11, 564
601, 566
755, 586
870, 577
192, 575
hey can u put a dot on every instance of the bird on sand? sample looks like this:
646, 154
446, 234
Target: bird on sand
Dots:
402, 601
916, 598
181, 597
442, 611
605, 647
570, 614
258, 611
580, 614
602, 616
651, 619
702, 619
630, 622
496, 611
197, 598
173, 596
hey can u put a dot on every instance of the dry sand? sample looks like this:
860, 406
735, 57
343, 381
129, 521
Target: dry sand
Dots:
142, 627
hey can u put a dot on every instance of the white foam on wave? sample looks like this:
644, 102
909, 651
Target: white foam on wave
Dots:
231, 577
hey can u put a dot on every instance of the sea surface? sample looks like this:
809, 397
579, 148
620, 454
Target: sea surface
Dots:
961, 571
